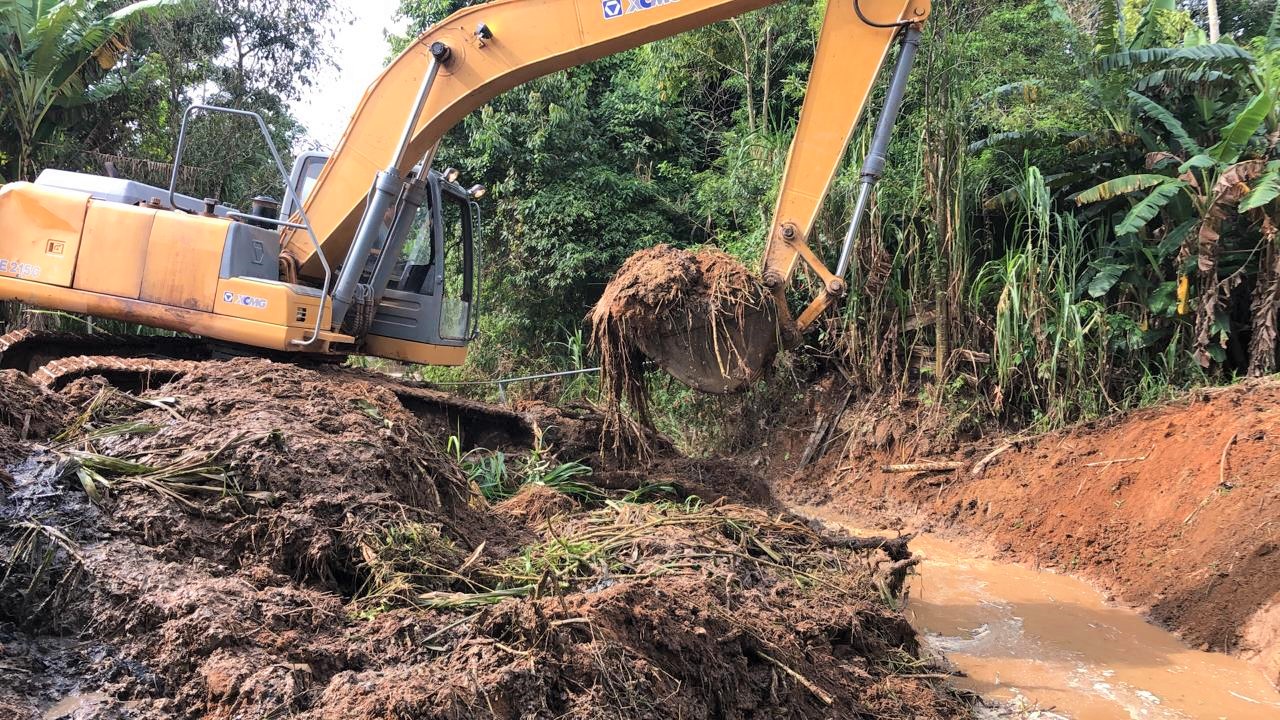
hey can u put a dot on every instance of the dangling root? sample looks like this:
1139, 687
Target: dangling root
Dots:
701, 316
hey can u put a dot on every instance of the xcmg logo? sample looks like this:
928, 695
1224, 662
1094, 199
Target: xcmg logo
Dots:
616, 8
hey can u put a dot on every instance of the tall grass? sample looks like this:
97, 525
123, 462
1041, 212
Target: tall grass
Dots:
1050, 348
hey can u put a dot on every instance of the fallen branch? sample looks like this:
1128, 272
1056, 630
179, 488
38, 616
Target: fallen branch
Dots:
1222, 482
823, 696
1222, 464
981, 465
1105, 463
895, 548
946, 466
896, 575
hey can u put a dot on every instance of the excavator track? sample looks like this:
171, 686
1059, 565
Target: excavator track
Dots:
135, 363
133, 373
29, 350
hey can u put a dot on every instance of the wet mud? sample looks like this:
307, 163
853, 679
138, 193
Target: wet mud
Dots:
258, 540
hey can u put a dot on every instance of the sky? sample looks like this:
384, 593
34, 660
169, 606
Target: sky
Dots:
359, 50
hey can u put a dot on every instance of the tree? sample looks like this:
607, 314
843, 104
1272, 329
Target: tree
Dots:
56, 53
247, 54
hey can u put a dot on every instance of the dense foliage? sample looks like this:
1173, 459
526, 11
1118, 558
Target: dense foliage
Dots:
87, 83
1078, 214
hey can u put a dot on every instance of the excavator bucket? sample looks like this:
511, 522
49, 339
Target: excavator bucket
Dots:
718, 353
700, 316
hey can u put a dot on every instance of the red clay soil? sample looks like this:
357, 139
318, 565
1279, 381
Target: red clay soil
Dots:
1175, 509
259, 540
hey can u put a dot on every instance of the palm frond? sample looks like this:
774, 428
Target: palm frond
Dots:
1242, 128
1110, 28
1177, 77
1132, 58
1219, 53
1273, 30
1119, 186
1149, 207
1149, 28
1265, 190
1159, 159
1167, 119
1198, 162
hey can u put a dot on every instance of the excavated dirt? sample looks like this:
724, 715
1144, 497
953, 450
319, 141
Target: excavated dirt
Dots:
1175, 509
701, 316
29, 411
258, 540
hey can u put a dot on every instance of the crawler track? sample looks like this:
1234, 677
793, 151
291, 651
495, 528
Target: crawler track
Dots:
135, 363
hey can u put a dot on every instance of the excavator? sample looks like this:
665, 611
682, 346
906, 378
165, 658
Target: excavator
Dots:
373, 251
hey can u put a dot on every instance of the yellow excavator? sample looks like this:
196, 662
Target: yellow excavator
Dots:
325, 272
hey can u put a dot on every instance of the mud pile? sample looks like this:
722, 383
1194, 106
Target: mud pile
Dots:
258, 540
700, 316
27, 412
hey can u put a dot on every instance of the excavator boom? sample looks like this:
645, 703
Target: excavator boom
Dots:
496, 46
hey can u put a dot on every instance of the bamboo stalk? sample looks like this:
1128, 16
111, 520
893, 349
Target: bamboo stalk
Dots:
943, 466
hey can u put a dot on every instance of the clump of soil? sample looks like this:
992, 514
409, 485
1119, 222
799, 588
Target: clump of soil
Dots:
27, 411
313, 464
260, 540
1173, 508
700, 316
535, 505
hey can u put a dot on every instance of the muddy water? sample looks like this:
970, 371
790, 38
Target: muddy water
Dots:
1051, 644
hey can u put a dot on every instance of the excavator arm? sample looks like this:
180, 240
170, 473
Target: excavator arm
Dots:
464, 61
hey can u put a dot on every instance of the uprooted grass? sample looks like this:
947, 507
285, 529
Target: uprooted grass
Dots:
625, 539
191, 475
671, 608
41, 569
107, 414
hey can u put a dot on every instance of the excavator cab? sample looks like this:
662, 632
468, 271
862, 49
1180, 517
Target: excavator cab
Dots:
432, 294
431, 290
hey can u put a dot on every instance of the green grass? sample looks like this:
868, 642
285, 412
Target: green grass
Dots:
498, 478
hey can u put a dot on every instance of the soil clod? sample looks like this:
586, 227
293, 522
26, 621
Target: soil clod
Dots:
700, 316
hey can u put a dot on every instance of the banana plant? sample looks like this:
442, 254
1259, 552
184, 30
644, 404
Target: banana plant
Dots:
1145, 63
1211, 182
54, 53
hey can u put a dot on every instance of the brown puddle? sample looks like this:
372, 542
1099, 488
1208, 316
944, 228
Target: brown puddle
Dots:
1046, 642
74, 703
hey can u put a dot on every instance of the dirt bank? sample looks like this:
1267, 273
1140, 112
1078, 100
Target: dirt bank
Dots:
1175, 508
258, 540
